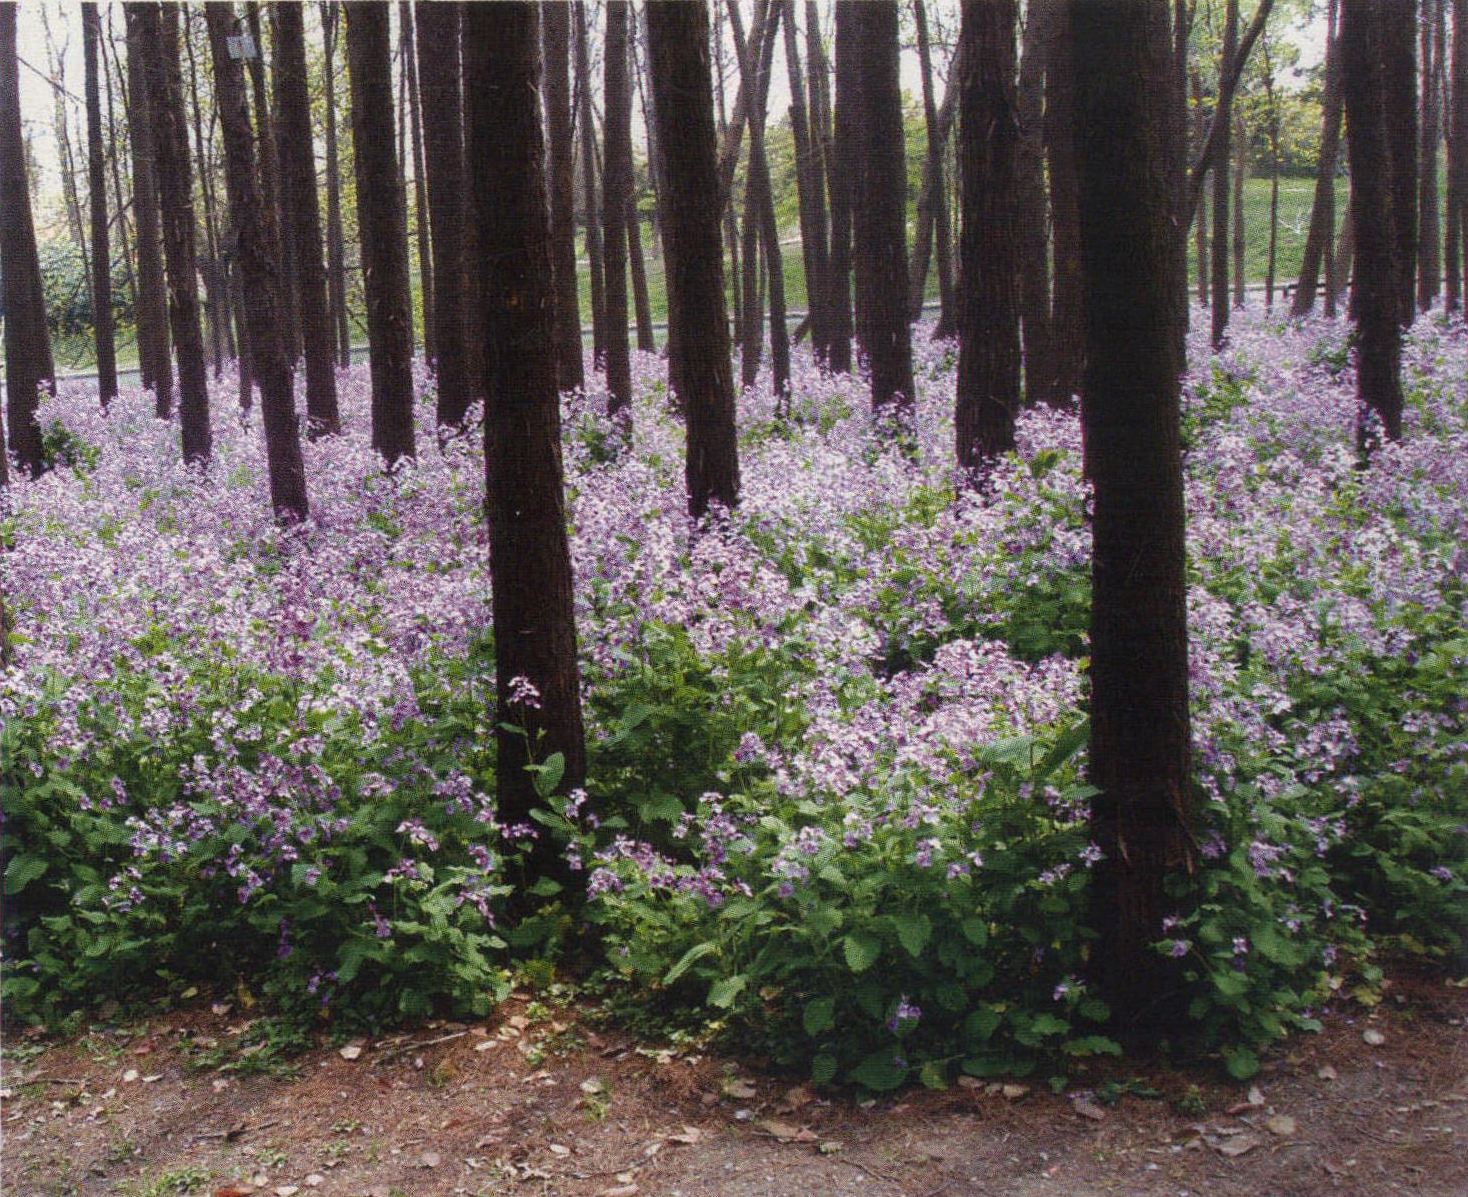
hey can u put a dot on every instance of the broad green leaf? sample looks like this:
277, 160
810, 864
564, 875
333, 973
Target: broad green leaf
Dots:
819, 1015
21, 871
913, 931
880, 1071
724, 992
862, 949
689, 958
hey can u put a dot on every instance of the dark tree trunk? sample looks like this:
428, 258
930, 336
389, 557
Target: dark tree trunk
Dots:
1399, 50
1338, 267
244, 360
336, 258
1456, 201
839, 165
255, 247
443, 159
682, 88
1241, 166
1223, 123
171, 159
1429, 261
591, 209
616, 199
820, 146
27, 344
1376, 292
212, 268
1321, 235
1273, 102
879, 206
114, 159
1140, 755
556, 34
383, 230
151, 316
1200, 213
101, 234
530, 562
1034, 213
810, 187
420, 193
989, 247
932, 210
637, 266
1067, 314
303, 230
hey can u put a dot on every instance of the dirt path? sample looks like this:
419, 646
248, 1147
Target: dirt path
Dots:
536, 1102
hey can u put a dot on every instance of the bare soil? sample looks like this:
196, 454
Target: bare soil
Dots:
538, 1102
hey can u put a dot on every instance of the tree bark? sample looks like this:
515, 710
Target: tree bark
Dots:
256, 246
616, 199
932, 209
1034, 212
213, 267
1321, 235
1223, 126
682, 88
336, 258
1273, 102
1338, 267
637, 265
171, 158
420, 194
989, 246
1399, 49
530, 562
810, 187
1067, 314
1456, 201
27, 344
817, 75
591, 209
1429, 260
839, 165
556, 34
97, 195
383, 230
1200, 215
1240, 243
303, 228
879, 206
1140, 754
151, 317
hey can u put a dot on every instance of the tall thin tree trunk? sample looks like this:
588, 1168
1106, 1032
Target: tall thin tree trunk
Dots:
1140, 754
1067, 315
212, 268
420, 195
256, 248
336, 258
637, 265
932, 204
682, 87
1272, 100
1034, 212
988, 153
1222, 161
114, 159
151, 317
1456, 201
555, 28
616, 200
1321, 236
820, 146
1200, 213
1338, 267
529, 558
1399, 52
383, 229
591, 208
67, 158
839, 165
809, 185
171, 158
303, 227
97, 194
1240, 241
1429, 262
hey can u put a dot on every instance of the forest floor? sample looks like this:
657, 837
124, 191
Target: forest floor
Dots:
544, 1100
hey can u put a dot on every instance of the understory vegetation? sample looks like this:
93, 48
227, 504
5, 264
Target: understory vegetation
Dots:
837, 796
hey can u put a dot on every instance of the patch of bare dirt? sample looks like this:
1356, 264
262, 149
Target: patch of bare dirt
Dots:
540, 1103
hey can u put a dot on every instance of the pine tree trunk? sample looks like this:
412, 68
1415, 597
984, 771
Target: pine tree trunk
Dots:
420, 195
212, 268
556, 36
114, 158
1456, 200
530, 562
682, 88
303, 228
879, 207
1429, 262
1034, 212
820, 147
151, 316
1321, 235
383, 230
810, 187
27, 342
1222, 161
637, 265
256, 246
616, 199
101, 234
336, 258
932, 209
989, 245
1376, 293
1067, 315
839, 165
590, 207
1399, 51
244, 359
1140, 756
171, 160
1338, 268
1200, 213
1240, 242
1273, 101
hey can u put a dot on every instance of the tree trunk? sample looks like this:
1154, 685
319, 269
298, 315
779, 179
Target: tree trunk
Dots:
932, 206
616, 200
101, 234
1241, 167
1200, 214
641, 304
1456, 201
1321, 235
556, 35
1376, 292
989, 245
1034, 213
244, 359
820, 146
114, 159
1429, 262
879, 206
336, 258
212, 268
1338, 267
303, 228
66, 158
1273, 102
1067, 315
591, 209
840, 163
682, 89
420, 193
151, 315
383, 230
1223, 123
809, 185
171, 159
256, 244
1399, 51
27, 344
1140, 755
530, 562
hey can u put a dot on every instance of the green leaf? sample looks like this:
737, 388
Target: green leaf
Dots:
975, 930
545, 888
934, 1075
21, 871
1240, 1062
819, 1015
913, 932
548, 774
823, 1069
689, 958
981, 1024
1066, 745
880, 1071
724, 992
862, 949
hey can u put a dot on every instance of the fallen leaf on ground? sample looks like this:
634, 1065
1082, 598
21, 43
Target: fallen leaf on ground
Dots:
485, 1046
592, 1085
618, 1191
738, 1087
689, 1135
1014, 1092
287, 1190
351, 1052
130, 1075
233, 1191
797, 1097
560, 1149
1237, 1145
430, 1159
1087, 1108
315, 1180
1280, 1124
1373, 1037
1327, 1073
